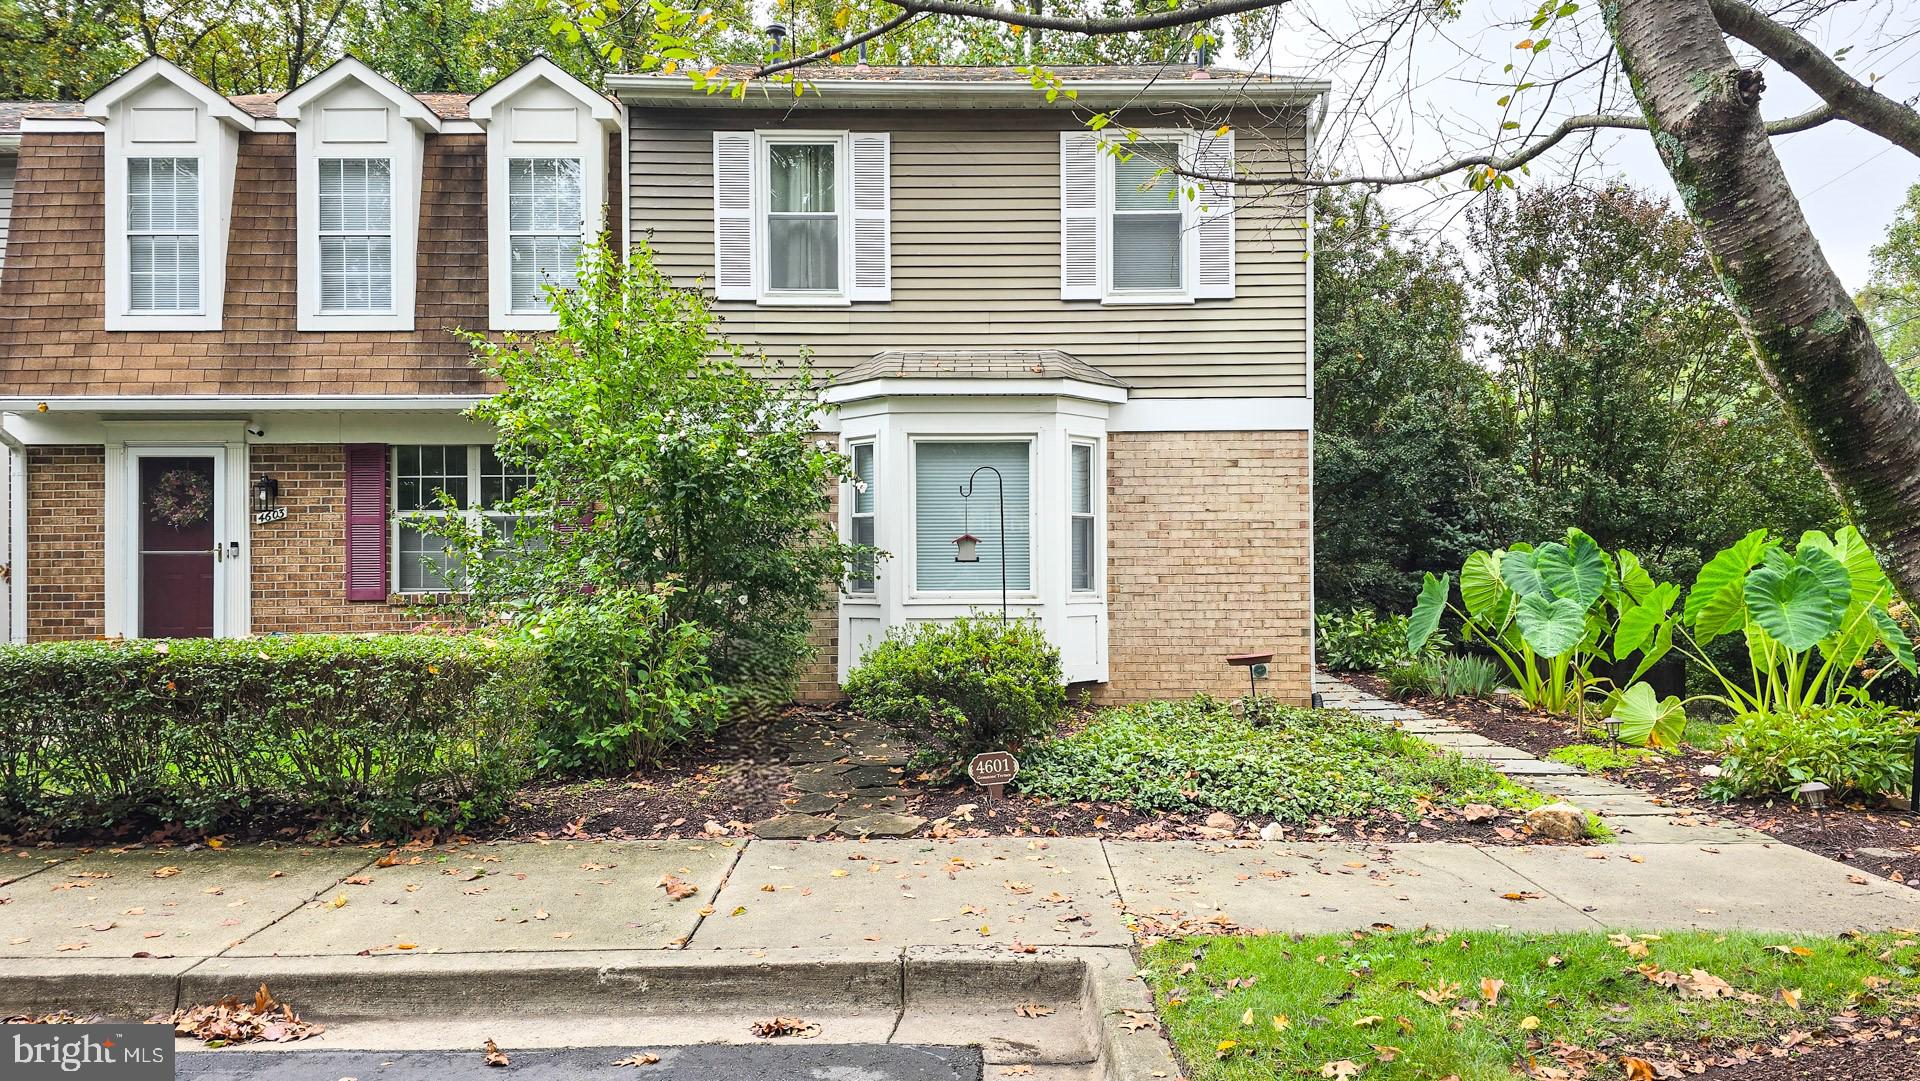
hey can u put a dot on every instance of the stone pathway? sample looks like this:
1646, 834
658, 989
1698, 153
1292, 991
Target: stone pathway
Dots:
1632, 813
848, 779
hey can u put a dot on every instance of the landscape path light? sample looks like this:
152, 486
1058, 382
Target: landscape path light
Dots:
1815, 793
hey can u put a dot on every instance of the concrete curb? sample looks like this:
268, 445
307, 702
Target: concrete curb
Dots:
952, 993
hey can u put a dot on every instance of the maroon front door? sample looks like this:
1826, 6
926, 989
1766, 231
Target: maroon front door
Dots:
176, 547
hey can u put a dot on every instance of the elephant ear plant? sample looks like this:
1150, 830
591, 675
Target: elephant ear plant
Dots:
1551, 612
1811, 618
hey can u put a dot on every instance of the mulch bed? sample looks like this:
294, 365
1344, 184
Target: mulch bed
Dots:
721, 786
1882, 839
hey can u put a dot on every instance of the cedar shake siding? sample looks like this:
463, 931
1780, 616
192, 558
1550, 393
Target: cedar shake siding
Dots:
52, 302
976, 251
66, 543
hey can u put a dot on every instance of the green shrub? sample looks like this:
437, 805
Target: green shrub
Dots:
384, 734
975, 684
1863, 749
1411, 679
1196, 756
1599, 757
1449, 677
626, 683
1361, 641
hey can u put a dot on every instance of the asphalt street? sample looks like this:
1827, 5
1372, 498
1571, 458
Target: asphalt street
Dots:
718, 1062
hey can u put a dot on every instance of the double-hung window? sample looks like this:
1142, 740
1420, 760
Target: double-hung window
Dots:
473, 479
544, 225
942, 514
1148, 220
860, 516
163, 235
356, 235
1081, 517
803, 217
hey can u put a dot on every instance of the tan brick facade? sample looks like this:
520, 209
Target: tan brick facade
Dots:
1209, 553
299, 563
66, 543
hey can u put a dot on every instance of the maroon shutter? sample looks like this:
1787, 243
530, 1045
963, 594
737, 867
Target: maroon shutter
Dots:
366, 521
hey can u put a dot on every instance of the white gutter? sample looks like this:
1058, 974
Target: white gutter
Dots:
220, 403
969, 94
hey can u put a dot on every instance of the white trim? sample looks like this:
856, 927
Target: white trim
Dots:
842, 295
157, 69
56, 125
830, 93
538, 84
1213, 415
1313, 584
232, 577
198, 403
350, 69
970, 388
359, 426
1185, 141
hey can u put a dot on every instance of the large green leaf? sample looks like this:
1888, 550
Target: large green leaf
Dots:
1637, 621
1662, 645
1518, 571
1427, 611
1716, 605
1894, 636
1800, 601
1646, 719
1634, 579
1551, 625
1577, 569
1487, 598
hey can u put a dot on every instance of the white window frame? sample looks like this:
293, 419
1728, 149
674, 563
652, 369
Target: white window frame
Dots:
199, 235
539, 111
1029, 594
351, 111
872, 515
400, 519
763, 143
321, 234
1186, 141
1096, 513
576, 233
157, 110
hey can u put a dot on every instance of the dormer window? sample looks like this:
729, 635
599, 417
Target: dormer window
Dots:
360, 141
170, 149
356, 235
546, 187
163, 235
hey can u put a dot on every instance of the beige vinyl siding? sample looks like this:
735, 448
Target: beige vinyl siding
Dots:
976, 254
7, 163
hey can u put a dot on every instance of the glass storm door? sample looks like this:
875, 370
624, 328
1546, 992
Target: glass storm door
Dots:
177, 545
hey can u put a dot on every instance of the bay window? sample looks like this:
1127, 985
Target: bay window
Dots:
1081, 517
941, 514
861, 526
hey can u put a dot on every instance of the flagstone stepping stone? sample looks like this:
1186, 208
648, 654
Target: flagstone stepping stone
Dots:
821, 778
810, 754
864, 802
814, 803
881, 825
869, 776
792, 827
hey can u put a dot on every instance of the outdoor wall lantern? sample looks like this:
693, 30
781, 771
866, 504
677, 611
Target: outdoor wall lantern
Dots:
266, 494
1815, 794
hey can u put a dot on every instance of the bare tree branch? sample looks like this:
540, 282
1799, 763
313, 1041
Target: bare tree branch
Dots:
1159, 20
1851, 99
853, 42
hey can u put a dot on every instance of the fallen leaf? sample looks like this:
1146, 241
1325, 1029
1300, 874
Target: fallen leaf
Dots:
1281, 1022
165, 872
1136, 1020
1368, 1021
495, 1056
1490, 990
1341, 1068
677, 889
645, 1058
785, 1026
1638, 1069
1529, 1023
1790, 996
1032, 1009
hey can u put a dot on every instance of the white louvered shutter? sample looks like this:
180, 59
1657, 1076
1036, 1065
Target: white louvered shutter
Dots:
1213, 222
1079, 216
872, 204
733, 254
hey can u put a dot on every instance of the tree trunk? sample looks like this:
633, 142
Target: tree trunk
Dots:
1814, 347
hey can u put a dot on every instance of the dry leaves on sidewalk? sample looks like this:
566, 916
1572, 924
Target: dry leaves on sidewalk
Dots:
644, 1058
777, 1027
231, 1021
677, 888
495, 1056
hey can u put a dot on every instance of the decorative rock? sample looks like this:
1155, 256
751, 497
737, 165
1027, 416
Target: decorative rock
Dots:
791, 827
1221, 820
1272, 831
881, 825
1558, 822
814, 803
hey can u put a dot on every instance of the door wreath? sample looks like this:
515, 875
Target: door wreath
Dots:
180, 498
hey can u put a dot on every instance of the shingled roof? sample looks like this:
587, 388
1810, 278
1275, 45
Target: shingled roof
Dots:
12, 112
976, 364
959, 73
445, 106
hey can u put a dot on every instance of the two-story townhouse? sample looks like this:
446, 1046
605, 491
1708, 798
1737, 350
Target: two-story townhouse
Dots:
229, 379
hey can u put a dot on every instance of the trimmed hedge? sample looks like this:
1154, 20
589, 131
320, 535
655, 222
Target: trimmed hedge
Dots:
377, 734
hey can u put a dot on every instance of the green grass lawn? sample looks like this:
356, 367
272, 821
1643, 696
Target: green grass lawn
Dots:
1200, 755
1412, 1006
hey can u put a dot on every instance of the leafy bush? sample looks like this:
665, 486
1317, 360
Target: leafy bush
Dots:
1197, 756
1863, 749
626, 682
1447, 677
384, 733
1361, 640
976, 684
1598, 757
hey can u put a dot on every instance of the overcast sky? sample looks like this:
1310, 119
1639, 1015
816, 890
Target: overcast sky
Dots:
1850, 182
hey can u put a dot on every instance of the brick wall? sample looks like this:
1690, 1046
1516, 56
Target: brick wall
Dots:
1209, 553
299, 562
66, 542
53, 339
